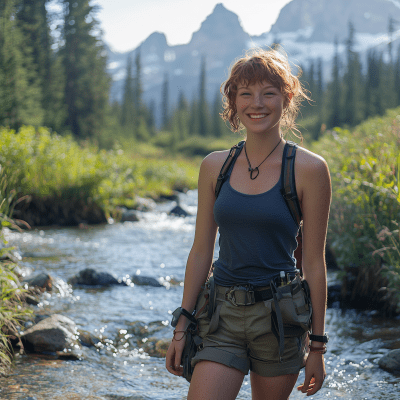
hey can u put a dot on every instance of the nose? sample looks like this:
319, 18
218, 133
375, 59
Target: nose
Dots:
257, 100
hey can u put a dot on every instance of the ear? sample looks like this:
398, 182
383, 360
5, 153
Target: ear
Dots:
289, 99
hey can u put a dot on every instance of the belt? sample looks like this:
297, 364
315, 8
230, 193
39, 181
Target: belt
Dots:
246, 295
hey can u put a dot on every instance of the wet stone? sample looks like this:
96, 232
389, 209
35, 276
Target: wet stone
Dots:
90, 277
54, 334
41, 280
145, 281
178, 211
391, 362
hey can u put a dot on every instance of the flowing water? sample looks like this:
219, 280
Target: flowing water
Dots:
158, 246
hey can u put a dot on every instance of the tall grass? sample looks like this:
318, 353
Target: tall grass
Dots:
365, 212
49, 165
12, 310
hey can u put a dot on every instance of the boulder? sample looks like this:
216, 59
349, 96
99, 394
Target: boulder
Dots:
42, 280
51, 335
145, 281
156, 347
391, 362
90, 277
87, 339
334, 295
178, 211
129, 216
144, 204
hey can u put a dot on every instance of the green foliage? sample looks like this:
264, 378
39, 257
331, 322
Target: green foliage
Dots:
20, 95
84, 60
11, 310
365, 168
48, 165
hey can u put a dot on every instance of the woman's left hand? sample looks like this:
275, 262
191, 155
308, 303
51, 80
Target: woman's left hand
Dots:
315, 374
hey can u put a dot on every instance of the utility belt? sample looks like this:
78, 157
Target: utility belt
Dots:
291, 309
247, 295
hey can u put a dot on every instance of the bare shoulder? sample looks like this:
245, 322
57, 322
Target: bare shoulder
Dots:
310, 162
212, 164
312, 172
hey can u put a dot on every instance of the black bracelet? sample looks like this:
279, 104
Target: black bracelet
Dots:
318, 338
181, 311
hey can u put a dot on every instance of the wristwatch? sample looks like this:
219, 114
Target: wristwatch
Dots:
317, 338
178, 312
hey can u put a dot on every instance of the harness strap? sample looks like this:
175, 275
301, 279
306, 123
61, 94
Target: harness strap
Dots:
288, 188
233, 155
280, 334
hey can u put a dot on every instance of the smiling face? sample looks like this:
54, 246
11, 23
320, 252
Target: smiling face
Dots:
260, 107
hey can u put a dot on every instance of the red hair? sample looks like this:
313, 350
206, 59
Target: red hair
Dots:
269, 66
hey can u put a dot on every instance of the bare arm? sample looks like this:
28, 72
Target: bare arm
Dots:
316, 197
200, 257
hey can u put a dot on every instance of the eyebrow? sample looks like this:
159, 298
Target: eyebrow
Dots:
264, 87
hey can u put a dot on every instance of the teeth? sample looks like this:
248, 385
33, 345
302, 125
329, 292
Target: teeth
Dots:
256, 116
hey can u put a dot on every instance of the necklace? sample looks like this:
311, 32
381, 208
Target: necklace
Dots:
256, 170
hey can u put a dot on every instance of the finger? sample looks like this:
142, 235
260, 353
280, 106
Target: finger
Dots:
314, 387
306, 384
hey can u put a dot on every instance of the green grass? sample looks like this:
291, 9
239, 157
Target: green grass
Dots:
49, 165
12, 311
365, 212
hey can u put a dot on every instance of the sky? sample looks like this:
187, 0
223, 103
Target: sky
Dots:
127, 23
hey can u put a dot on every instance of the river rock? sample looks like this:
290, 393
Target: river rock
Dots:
145, 204
54, 334
156, 347
178, 211
42, 280
145, 281
391, 362
129, 215
334, 295
87, 339
90, 277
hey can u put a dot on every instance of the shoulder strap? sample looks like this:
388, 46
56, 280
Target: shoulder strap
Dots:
233, 154
288, 188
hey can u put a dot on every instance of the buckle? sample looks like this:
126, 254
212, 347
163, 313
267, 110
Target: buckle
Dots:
240, 296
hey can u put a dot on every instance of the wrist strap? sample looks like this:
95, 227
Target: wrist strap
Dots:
317, 338
317, 350
187, 314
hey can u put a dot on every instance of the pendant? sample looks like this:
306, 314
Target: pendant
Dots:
251, 173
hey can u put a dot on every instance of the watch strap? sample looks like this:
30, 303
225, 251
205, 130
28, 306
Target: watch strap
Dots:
181, 311
318, 338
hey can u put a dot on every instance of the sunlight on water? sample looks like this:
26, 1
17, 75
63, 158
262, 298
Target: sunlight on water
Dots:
118, 367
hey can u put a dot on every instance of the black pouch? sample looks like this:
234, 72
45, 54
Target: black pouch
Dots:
295, 307
193, 340
189, 351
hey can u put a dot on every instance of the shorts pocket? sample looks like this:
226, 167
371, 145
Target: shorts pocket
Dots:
296, 310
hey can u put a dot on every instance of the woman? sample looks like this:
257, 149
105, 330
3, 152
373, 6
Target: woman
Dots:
257, 241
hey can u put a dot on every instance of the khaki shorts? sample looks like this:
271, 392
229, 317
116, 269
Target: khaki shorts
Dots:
244, 340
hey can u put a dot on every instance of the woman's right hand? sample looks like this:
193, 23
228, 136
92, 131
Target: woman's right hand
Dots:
174, 356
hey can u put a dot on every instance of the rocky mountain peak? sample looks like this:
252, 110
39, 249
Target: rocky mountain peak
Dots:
327, 19
220, 24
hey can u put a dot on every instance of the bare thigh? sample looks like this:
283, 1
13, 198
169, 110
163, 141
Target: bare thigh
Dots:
272, 388
212, 381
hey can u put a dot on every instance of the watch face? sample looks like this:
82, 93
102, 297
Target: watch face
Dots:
175, 316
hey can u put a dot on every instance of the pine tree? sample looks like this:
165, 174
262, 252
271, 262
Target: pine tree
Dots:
335, 90
20, 95
137, 85
165, 103
352, 105
84, 61
217, 128
34, 24
128, 107
203, 109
